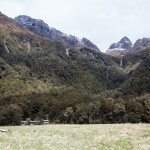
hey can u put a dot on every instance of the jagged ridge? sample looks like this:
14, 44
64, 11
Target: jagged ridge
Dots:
41, 28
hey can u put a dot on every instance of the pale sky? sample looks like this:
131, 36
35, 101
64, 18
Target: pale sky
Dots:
102, 21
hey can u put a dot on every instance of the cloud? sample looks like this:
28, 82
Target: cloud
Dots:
102, 21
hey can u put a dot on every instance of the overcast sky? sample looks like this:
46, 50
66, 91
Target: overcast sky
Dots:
101, 21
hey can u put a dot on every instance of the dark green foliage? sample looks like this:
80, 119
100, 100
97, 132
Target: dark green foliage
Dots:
10, 115
139, 80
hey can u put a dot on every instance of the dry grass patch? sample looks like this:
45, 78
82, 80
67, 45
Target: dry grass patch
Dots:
77, 137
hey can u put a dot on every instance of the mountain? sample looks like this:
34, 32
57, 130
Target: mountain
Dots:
120, 48
135, 61
41, 76
125, 46
44, 78
41, 28
40, 64
124, 43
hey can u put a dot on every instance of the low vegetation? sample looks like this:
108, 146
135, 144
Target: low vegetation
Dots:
73, 137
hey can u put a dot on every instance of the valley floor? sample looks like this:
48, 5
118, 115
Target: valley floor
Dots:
77, 137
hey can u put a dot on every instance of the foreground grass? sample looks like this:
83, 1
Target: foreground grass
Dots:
77, 137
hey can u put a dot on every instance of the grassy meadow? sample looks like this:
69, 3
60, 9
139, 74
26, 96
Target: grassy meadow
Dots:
77, 137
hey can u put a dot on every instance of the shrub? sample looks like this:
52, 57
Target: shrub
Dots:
10, 115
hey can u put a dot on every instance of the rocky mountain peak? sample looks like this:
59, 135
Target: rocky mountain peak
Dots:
125, 46
125, 40
37, 26
41, 28
124, 43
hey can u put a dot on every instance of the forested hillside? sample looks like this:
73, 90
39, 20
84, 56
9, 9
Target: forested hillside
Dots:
44, 79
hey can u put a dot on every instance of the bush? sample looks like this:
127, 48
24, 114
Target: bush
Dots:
10, 115
134, 118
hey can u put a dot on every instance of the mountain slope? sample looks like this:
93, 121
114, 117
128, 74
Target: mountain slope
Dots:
141, 44
41, 28
41, 64
139, 75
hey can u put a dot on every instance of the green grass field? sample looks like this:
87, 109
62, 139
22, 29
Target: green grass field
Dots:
77, 137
